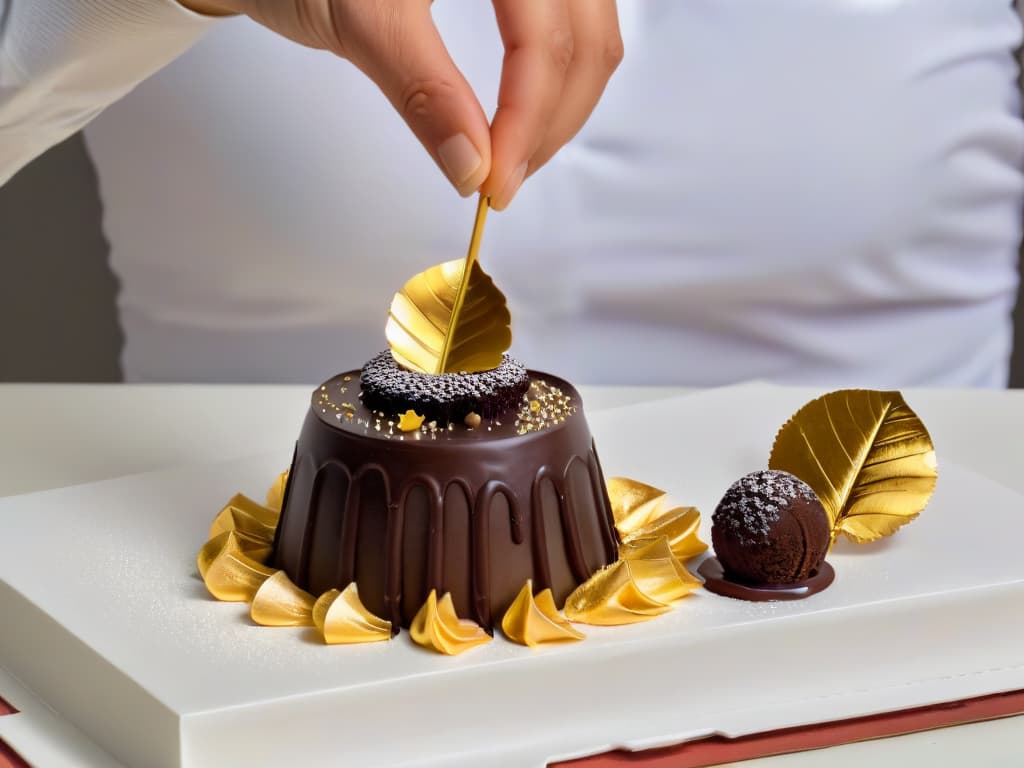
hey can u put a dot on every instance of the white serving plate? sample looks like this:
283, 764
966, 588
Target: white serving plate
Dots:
103, 616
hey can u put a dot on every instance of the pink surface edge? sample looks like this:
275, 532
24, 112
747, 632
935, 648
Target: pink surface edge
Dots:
719, 749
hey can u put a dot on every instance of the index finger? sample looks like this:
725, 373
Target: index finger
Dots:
538, 50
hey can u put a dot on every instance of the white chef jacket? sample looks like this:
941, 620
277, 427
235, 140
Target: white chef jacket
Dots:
802, 191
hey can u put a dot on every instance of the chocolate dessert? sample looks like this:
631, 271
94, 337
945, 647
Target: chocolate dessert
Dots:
770, 534
469, 484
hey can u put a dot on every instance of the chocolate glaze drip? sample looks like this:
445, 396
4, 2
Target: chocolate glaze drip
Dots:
717, 580
474, 512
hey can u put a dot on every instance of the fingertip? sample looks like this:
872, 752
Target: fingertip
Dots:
509, 188
462, 163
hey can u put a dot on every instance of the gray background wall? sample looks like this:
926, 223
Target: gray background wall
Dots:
58, 319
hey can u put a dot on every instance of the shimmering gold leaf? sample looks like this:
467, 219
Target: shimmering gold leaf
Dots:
663, 579
232, 541
633, 503
437, 627
656, 569
532, 622
867, 456
243, 514
451, 318
432, 329
279, 603
611, 597
679, 526
645, 549
275, 495
342, 618
234, 577
323, 604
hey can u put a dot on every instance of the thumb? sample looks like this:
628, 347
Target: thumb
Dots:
403, 53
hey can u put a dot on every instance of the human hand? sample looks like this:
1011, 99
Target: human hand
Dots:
559, 55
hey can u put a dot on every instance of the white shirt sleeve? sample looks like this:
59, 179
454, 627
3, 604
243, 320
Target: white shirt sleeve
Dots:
63, 61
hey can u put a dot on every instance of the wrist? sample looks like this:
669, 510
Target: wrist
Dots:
209, 7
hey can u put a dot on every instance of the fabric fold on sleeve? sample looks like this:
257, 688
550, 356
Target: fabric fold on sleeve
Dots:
63, 61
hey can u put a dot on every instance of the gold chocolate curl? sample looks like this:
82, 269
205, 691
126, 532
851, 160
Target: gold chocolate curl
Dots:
342, 618
611, 597
437, 627
638, 510
234, 577
633, 503
232, 541
656, 570
241, 537
279, 603
867, 456
678, 527
534, 621
243, 514
451, 317
275, 494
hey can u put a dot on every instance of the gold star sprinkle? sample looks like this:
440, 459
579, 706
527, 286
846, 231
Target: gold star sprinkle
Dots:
409, 421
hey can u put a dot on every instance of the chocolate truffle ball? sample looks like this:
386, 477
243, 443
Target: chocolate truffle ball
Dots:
770, 528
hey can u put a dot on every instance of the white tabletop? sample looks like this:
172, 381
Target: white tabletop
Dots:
56, 435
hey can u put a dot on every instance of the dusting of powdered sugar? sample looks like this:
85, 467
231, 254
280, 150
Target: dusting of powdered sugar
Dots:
754, 503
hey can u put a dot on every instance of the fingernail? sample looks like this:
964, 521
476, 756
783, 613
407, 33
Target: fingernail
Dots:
515, 181
460, 160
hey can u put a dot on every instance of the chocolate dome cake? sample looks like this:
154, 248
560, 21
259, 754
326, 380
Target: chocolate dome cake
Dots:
468, 483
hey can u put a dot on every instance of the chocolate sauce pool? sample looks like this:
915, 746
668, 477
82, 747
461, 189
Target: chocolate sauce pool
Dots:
716, 580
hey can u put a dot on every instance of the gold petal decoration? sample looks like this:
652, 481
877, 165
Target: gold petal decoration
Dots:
231, 541
243, 514
634, 503
234, 577
342, 618
866, 454
679, 526
437, 627
645, 549
451, 318
275, 495
533, 621
279, 603
611, 597
656, 571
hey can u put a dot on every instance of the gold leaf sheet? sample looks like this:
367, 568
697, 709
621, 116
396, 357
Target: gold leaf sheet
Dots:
431, 329
866, 454
234, 577
634, 504
679, 527
438, 628
656, 570
534, 621
243, 514
342, 618
232, 541
275, 494
279, 603
611, 597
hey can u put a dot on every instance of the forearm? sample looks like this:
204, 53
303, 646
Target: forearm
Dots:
63, 61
